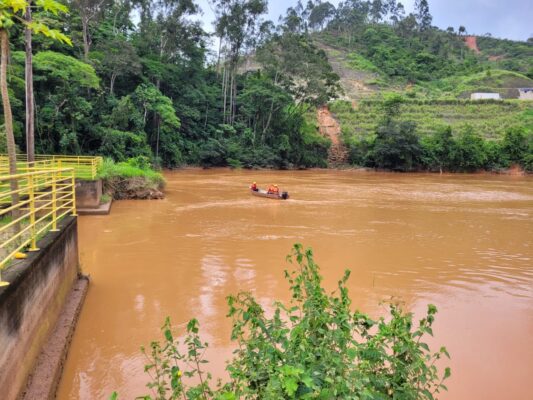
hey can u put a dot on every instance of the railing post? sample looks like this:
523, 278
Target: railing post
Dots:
59, 166
54, 202
74, 195
31, 195
2, 283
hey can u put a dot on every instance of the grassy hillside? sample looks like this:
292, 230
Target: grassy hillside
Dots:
361, 78
461, 86
435, 72
490, 119
430, 65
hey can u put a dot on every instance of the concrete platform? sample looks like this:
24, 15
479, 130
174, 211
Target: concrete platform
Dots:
103, 209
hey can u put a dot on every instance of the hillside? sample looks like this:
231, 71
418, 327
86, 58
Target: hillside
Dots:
363, 72
504, 82
490, 119
405, 101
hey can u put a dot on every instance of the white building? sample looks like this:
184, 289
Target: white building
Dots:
483, 96
525, 93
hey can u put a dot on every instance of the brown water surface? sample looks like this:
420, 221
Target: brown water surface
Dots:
461, 242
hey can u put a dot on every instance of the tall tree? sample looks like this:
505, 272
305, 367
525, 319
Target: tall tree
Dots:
118, 59
297, 65
237, 22
167, 35
320, 15
423, 16
30, 111
90, 11
12, 11
377, 10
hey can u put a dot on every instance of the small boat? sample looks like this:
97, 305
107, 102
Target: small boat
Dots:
264, 193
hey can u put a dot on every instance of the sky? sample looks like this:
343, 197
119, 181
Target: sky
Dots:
509, 19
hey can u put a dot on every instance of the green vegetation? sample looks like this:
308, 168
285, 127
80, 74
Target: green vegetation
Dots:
131, 179
461, 86
490, 119
127, 89
137, 79
507, 54
377, 36
401, 138
105, 198
358, 62
133, 168
314, 347
402, 52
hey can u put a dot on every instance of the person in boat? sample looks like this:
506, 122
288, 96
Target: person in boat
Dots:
273, 189
254, 187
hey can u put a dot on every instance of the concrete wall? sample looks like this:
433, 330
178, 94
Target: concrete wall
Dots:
31, 304
525, 94
88, 193
481, 96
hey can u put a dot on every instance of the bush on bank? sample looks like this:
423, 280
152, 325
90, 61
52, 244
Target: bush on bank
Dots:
396, 146
315, 347
131, 179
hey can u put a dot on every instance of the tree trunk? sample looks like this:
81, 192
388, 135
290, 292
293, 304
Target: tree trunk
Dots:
224, 92
206, 110
86, 40
218, 57
230, 97
8, 117
271, 111
233, 92
112, 83
30, 111
157, 142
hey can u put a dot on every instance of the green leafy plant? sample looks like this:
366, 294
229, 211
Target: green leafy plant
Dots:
133, 178
106, 198
314, 347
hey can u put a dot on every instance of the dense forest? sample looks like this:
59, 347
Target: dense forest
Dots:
143, 78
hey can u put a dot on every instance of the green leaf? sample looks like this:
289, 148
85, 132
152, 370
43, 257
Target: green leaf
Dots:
290, 385
52, 6
15, 5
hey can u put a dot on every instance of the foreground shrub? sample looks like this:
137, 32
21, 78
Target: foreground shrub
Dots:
315, 347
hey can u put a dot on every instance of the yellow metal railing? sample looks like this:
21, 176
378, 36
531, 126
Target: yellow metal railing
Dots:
85, 167
44, 198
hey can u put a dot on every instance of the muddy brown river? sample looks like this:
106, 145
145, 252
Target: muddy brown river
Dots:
461, 242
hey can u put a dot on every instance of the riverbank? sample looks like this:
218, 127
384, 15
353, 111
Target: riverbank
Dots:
133, 179
514, 170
